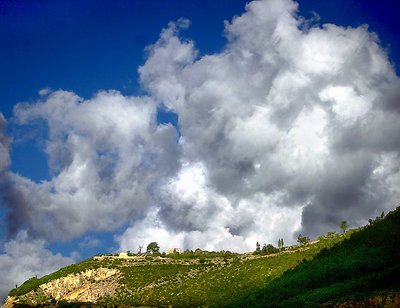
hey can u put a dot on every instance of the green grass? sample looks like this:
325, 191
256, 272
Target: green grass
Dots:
220, 285
321, 272
202, 279
213, 283
366, 264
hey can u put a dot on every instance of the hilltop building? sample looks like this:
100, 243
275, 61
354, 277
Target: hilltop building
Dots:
172, 250
123, 255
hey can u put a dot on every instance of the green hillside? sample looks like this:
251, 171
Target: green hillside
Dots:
196, 279
337, 268
363, 266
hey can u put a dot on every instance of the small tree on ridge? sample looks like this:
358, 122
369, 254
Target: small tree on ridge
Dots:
302, 239
343, 226
153, 248
258, 249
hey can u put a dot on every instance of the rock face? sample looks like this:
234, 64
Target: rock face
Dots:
9, 302
86, 286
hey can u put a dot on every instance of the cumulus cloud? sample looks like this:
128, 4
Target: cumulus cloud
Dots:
25, 258
291, 128
191, 214
289, 109
44, 91
106, 155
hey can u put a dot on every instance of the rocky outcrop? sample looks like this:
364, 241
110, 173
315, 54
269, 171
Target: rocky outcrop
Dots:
9, 302
88, 286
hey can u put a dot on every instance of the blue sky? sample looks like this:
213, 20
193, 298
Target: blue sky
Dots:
88, 46
85, 46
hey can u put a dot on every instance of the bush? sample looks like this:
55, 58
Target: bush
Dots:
269, 249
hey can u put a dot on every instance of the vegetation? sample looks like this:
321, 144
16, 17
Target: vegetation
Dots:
153, 248
301, 239
281, 244
343, 226
33, 283
359, 265
202, 254
192, 278
207, 281
269, 249
330, 234
367, 264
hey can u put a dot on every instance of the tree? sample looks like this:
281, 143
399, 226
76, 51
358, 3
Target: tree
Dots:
330, 234
343, 226
302, 239
258, 250
264, 249
271, 249
280, 243
153, 248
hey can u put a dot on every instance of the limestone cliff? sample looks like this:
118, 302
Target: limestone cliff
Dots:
87, 286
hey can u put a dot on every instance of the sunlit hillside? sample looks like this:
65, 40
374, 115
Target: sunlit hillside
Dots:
189, 279
360, 265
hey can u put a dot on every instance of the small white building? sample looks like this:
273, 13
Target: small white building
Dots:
172, 250
123, 255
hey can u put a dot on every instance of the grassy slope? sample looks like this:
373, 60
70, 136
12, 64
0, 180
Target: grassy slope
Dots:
219, 286
33, 283
365, 265
210, 283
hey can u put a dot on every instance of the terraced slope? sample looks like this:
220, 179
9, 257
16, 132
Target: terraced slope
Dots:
203, 281
364, 268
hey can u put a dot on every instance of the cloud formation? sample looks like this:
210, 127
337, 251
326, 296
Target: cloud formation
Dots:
291, 128
25, 258
105, 154
287, 109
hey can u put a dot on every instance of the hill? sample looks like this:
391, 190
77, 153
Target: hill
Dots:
355, 266
190, 279
364, 268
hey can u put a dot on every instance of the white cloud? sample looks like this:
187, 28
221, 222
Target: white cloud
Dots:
347, 105
44, 91
146, 231
153, 229
25, 258
106, 155
192, 215
291, 128
285, 108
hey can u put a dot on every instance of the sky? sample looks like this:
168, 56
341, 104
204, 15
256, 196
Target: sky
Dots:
196, 124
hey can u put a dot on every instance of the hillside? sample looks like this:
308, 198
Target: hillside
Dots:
364, 268
359, 265
199, 279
